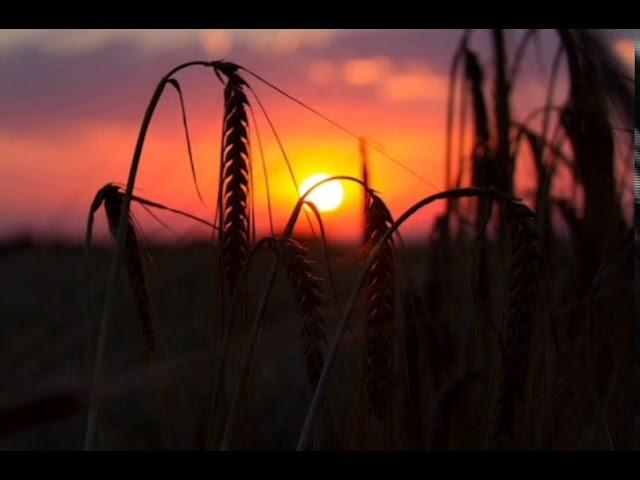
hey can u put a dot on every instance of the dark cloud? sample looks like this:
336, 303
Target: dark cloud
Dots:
42, 91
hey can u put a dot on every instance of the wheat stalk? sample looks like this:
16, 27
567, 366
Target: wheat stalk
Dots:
522, 295
293, 256
481, 160
114, 269
504, 162
318, 395
595, 85
458, 57
256, 327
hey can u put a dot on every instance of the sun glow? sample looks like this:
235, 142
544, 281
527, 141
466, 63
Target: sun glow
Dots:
326, 197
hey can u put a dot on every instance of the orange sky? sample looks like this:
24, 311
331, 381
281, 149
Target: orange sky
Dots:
72, 103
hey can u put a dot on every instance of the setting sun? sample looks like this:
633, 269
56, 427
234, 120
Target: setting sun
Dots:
327, 196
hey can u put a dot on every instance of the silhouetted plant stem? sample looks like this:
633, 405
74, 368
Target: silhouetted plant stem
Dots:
117, 258
312, 412
258, 318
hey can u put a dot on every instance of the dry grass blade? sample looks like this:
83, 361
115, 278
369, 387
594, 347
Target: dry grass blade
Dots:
380, 313
149, 203
522, 295
265, 172
98, 199
518, 56
281, 147
305, 285
176, 85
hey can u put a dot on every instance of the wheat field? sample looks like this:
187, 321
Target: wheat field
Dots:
509, 328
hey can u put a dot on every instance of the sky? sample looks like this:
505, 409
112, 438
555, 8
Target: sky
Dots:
71, 103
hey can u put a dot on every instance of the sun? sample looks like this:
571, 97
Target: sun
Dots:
326, 197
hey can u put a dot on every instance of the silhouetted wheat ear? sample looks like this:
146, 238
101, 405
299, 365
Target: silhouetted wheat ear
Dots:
503, 161
113, 205
475, 76
481, 157
380, 310
234, 180
522, 295
305, 285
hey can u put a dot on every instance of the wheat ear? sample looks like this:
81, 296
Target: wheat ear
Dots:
380, 309
234, 179
522, 295
305, 284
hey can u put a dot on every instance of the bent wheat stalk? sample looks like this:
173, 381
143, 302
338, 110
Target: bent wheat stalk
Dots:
380, 305
314, 357
522, 295
294, 258
135, 270
258, 318
305, 284
314, 407
116, 261
111, 196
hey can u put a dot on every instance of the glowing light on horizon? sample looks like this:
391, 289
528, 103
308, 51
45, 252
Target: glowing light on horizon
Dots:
328, 196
